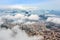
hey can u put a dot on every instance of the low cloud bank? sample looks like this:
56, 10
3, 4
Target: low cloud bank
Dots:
54, 20
15, 33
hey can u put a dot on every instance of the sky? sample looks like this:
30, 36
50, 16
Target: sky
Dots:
45, 4
7, 2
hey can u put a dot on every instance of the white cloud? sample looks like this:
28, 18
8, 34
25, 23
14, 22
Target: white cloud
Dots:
9, 34
5, 34
29, 22
21, 6
19, 16
54, 20
1, 21
33, 17
15, 33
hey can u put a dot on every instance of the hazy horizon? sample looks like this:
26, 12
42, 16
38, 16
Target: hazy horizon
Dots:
43, 4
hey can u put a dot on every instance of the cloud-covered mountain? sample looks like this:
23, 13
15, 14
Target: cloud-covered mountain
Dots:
22, 15
14, 21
